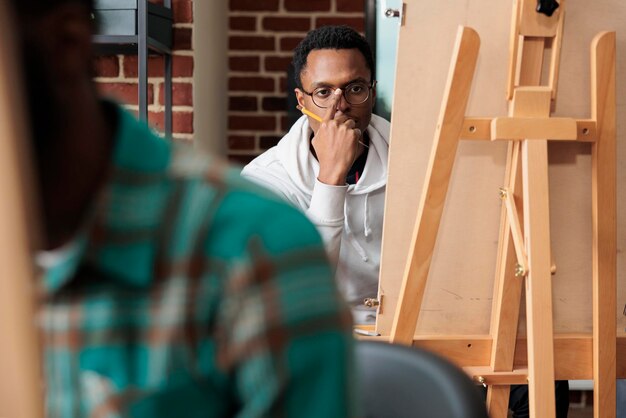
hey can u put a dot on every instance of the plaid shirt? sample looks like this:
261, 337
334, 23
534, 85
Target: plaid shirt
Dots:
191, 294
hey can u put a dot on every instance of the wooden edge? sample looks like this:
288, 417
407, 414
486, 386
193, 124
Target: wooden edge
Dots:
586, 130
20, 387
447, 135
507, 292
604, 222
516, 229
555, 60
514, 43
484, 375
498, 401
573, 357
479, 129
476, 129
516, 128
602, 42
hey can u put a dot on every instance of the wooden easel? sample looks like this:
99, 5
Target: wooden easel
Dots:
528, 129
20, 373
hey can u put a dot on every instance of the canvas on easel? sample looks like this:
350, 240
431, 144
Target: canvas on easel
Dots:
458, 302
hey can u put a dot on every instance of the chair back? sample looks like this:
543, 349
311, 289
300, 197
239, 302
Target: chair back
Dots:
399, 382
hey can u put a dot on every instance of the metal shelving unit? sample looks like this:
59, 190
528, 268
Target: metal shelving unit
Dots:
140, 28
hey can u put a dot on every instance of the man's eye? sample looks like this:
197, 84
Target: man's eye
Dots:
357, 89
322, 93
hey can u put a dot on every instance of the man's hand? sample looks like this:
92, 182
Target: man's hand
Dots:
336, 144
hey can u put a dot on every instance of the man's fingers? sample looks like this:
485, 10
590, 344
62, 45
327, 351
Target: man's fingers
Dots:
332, 108
350, 123
358, 133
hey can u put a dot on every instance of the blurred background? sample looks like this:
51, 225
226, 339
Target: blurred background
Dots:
232, 88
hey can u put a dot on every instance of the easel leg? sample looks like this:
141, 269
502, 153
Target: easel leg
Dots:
447, 137
498, 400
507, 295
603, 157
539, 282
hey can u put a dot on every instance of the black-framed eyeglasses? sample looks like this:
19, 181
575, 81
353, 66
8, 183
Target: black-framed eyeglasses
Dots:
354, 93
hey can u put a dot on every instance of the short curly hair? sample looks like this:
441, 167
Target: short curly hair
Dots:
330, 37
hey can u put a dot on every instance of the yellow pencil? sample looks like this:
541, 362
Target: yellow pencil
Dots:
308, 113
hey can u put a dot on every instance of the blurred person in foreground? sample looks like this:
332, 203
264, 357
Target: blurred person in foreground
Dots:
168, 285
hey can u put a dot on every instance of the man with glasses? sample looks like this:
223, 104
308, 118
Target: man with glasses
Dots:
333, 162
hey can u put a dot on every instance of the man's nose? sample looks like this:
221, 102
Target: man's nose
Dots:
343, 104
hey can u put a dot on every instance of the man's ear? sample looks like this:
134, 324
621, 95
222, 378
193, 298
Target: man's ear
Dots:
299, 96
70, 29
373, 95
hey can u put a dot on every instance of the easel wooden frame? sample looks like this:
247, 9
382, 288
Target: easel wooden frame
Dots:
20, 385
498, 360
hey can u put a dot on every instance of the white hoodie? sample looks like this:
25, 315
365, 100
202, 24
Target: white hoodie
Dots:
349, 217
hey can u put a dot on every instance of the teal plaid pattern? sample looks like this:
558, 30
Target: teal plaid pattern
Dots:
190, 293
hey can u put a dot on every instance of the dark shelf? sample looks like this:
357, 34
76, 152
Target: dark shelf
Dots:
138, 27
127, 45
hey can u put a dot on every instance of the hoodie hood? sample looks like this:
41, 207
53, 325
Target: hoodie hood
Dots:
294, 154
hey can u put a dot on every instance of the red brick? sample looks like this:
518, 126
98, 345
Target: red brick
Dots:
274, 104
245, 23
356, 23
240, 142
288, 43
244, 63
131, 70
183, 11
282, 85
243, 103
182, 66
287, 24
182, 39
182, 122
250, 84
307, 6
251, 43
266, 142
182, 94
126, 93
350, 5
251, 123
253, 5
277, 63
107, 66
284, 123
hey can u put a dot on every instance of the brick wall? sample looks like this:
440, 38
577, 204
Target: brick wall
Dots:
116, 76
262, 35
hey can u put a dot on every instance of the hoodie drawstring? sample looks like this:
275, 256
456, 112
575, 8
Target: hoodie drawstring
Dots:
366, 224
350, 235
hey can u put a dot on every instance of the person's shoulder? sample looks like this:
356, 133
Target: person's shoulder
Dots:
267, 161
241, 209
138, 147
286, 147
380, 123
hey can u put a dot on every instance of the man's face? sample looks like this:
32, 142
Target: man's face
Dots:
42, 98
55, 52
336, 68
